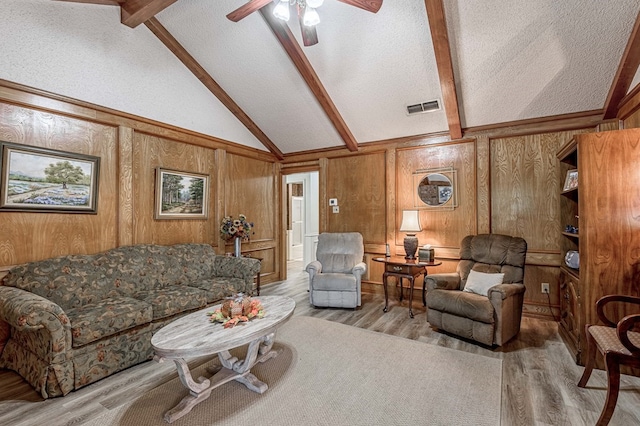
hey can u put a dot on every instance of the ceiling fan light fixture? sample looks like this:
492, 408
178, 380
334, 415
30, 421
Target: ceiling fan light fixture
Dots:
281, 11
310, 17
315, 3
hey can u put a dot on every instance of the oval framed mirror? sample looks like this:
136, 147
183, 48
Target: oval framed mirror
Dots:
435, 189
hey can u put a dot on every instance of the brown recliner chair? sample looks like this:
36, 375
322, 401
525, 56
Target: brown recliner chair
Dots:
491, 319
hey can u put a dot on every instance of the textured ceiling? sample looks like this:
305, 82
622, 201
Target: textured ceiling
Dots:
512, 60
83, 52
524, 59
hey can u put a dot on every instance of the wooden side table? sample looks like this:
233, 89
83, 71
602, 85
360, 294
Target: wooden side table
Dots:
399, 267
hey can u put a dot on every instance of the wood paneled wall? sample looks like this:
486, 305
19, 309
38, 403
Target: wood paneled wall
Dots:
633, 121
443, 227
251, 188
526, 180
241, 181
629, 111
149, 153
359, 184
33, 236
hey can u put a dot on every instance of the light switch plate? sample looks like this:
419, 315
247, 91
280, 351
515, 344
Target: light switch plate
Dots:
336, 209
333, 202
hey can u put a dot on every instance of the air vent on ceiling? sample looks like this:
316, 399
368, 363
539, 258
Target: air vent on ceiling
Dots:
423, 107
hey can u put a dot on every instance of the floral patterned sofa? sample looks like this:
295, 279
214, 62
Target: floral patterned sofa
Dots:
76, 319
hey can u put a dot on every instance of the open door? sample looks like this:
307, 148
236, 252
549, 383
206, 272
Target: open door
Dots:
303, 218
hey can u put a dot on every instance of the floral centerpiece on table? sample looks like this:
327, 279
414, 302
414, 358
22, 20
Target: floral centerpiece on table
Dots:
237, 309
236, 228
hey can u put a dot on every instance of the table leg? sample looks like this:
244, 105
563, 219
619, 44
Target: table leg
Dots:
386, 292
411, 281
259, 350
424, 289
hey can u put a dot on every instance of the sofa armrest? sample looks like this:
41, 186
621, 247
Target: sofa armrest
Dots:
504, 290
244, 268
444, 281
27, 311
312, 269
359, 269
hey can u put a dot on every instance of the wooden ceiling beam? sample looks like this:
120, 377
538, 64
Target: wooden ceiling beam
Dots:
135, 12
181, 53
293, 49
626, 71
246, 9
104, 2
440, 38
132, 12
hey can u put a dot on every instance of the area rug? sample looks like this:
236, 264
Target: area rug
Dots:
333, 374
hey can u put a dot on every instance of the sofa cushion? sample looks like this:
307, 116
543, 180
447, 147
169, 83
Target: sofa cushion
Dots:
462, 304
105, 318
173, 299
334, 282
218, 288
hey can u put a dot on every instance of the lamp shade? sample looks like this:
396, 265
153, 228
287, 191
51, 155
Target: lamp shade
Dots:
410, 221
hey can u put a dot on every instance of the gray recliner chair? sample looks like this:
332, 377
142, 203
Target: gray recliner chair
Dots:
491, 319
335, 277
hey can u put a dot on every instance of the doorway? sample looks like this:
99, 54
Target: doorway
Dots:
303, 220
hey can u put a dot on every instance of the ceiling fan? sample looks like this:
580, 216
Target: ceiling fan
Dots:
307, 15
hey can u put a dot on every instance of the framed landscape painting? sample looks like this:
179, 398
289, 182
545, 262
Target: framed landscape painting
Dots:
34, 179
181, 195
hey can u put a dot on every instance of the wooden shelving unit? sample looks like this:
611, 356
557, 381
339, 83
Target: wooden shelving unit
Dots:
570, 319
603, 210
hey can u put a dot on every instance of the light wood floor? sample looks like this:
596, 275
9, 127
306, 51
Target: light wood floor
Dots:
538, 375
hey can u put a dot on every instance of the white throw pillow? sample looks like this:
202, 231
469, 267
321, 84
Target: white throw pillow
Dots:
480, 282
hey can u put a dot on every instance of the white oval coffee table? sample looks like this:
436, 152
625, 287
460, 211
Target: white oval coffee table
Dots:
194, 335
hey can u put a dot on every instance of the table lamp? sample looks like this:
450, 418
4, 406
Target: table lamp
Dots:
410, 225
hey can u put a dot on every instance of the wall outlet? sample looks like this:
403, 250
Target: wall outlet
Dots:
336, 209
545, 288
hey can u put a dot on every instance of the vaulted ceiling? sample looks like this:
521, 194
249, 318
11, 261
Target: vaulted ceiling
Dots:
252, 82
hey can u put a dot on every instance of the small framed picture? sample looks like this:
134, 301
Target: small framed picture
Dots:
571, 181
181, 195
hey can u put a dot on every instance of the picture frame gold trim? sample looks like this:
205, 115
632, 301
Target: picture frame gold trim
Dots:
42, 180
172, 203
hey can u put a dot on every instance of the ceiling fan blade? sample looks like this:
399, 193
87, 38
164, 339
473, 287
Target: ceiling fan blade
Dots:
309, 34
247, 9
368, 5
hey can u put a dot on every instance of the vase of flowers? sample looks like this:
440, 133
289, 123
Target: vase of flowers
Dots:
236, 229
